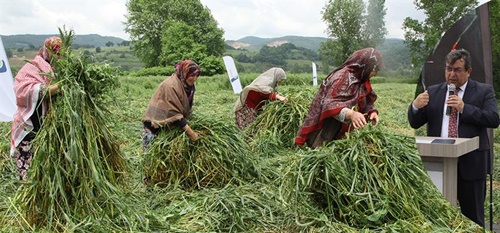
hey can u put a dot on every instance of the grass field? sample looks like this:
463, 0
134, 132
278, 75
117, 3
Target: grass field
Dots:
215, 98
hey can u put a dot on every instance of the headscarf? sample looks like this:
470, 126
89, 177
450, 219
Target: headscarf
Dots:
29, 83
52, 45
186, 68
345, 87
173, 99
266, 83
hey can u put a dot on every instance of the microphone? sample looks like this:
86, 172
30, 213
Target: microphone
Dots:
451, 91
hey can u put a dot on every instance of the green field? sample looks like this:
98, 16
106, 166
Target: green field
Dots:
184, 211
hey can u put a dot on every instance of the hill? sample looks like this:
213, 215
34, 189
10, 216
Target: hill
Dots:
394, 51
255, 43
34, 41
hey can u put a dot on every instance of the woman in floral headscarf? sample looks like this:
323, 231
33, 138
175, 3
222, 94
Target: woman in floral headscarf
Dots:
345, 100
255, 95
31, 85
171, 104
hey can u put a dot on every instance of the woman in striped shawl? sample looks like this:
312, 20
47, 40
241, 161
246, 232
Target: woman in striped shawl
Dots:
31, 85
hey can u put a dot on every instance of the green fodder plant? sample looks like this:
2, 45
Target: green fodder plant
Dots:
374, 180
276, 126
220, 156
77, 165
250, 207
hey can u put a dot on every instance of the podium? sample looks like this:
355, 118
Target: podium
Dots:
440, 158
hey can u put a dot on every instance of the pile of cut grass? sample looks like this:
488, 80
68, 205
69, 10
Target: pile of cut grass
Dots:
276, 126
74, 176
220, 156
372, 180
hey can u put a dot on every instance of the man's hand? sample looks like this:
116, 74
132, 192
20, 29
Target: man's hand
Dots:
455, 101
422, 100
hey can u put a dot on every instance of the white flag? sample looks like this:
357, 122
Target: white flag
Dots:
7, 97
233, 74
315, 75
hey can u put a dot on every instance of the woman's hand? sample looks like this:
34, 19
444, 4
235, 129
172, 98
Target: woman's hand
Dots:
281, 98
53, 89
358, 120
373, 118
193, 136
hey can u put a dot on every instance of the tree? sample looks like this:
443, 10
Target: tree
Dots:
97, 49
155, 28
375, 31
125, 43
109, 44
344, 20
271, 55
9, 53
422, 37
351, 25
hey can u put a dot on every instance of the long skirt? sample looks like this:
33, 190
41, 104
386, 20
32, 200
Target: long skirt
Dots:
245, 116
23, 155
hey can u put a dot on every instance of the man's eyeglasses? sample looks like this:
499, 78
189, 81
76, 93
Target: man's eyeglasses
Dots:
457, 70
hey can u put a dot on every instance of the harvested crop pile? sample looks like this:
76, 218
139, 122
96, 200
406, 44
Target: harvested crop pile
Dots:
220, 156
373, 180
77, 167
277, 125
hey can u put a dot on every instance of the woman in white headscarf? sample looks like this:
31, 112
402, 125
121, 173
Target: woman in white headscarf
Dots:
256, 94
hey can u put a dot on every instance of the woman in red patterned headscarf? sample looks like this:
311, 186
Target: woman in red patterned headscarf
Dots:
171, 104
345, 100
31, 85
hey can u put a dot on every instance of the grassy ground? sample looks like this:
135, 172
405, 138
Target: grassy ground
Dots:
215, 97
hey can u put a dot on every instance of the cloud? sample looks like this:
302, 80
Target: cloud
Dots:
103, 17
238, 18
265, 18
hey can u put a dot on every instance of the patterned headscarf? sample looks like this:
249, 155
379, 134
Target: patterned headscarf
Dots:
345, 87
51, 46
186, 68
362, 62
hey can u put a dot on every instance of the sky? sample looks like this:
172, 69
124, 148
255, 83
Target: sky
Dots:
238, 18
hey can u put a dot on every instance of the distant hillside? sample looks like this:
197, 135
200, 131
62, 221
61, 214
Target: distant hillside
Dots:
252, 42
312, 43
31, 40
394, 51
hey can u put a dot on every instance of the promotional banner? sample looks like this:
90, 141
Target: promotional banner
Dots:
233, 74
315, 75
7, 97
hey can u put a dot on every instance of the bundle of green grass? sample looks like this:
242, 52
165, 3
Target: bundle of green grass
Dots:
220, 156
74, 176
371, 180
277, 125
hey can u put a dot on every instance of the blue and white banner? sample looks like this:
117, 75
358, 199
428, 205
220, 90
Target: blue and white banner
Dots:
233, 74
7, 97
315, 75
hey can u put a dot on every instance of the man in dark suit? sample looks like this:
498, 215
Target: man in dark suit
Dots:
477, 110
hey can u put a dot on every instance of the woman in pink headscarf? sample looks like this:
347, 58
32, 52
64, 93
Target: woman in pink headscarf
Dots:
31, 85
345, 100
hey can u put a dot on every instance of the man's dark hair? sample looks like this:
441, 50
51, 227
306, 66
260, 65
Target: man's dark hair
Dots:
455, 55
